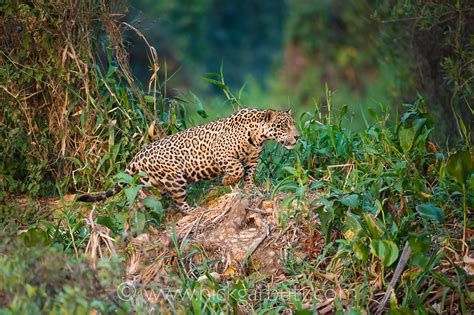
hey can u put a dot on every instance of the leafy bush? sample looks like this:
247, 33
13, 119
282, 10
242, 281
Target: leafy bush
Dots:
39, 278
63, 111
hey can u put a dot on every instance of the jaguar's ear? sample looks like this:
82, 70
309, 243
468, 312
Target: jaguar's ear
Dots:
288, 111
270, 115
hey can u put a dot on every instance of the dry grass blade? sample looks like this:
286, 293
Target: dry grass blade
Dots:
100, 244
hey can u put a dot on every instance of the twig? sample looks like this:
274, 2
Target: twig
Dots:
341, 165
195, 225
255, 245
396, 275
226, 210
280, 235
257, 211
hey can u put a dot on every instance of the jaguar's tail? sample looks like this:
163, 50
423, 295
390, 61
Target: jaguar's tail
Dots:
109, 193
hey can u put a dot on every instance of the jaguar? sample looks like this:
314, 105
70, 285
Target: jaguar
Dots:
230, 146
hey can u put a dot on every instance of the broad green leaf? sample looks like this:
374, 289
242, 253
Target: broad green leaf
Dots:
153, 203
149, 98
428, 211
200, 107
418, 124
398, 186
124, 177
142, 174
107, 221
120, 219
351, 201
239, 291
353, 224
131, 193
385, 250
361, 251
420, 260
373, 225
316, 185
290, 170
116, 151
35, 237
373, 114
406, 137
327, 218
460, 166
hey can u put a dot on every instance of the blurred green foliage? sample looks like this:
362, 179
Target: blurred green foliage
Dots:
245, 36
369, 52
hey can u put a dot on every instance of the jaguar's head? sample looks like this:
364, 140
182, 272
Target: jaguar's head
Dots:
280, 126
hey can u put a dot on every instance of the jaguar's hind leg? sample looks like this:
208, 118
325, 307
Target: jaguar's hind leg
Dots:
175, 186
178, 195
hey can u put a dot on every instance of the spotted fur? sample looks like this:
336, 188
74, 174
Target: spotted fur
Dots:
229, 146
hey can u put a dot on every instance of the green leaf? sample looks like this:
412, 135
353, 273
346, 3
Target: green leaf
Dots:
343, 111
373, 225
149, 98
373, 114
385, 250
131, 194
460, 166
290, 170
35, 237
419, 242
142, 174
153, 203
215, 82
428, 211
316, 185
420, 260
360, 250
353, 224
351, 201
406, 137
200, 107
107, 221
124, 177
138, 222
239, 291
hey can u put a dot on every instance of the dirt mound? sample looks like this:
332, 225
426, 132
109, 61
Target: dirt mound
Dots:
236, 231
234, 235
